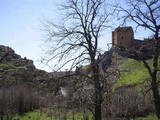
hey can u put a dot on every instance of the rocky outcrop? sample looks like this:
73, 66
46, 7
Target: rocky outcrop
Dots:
7, 54
15, 70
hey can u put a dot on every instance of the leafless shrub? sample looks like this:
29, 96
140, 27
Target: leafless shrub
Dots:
127, 103
18, 99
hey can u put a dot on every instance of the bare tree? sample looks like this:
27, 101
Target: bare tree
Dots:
145, 13
75, 40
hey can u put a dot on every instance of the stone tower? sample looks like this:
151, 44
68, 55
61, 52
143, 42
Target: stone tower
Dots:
123, 36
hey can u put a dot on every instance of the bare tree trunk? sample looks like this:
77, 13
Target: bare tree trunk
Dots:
156, 95
98, 91
154, 83
98, 102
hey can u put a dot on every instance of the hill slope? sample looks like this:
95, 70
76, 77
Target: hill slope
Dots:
133, 72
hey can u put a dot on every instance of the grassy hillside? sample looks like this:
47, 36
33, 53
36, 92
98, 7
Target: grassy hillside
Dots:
133, 72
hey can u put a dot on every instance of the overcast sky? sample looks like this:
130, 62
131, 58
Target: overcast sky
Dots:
20, 26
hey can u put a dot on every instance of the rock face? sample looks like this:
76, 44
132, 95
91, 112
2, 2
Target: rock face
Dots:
15, 70
9, 55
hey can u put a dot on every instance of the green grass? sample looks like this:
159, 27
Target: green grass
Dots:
133, 72
37, 115
150, 117
33, 115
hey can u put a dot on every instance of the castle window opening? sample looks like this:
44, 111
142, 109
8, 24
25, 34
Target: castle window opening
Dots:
122, 37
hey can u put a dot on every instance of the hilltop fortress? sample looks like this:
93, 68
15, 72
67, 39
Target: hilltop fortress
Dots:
124, 36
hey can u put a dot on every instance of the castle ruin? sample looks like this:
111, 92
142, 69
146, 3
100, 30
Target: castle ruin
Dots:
124, 36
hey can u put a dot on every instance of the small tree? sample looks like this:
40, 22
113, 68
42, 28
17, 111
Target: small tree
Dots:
145, 13
75, 40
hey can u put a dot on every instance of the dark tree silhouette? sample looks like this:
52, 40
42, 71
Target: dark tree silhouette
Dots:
75, 40
146, 13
